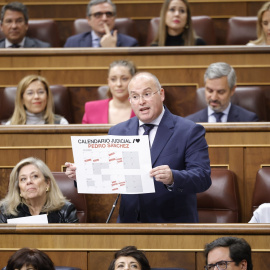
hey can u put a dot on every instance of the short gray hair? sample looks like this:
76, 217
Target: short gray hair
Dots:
221, 69
96, 2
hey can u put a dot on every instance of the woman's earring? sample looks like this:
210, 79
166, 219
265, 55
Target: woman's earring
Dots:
186, 26
20, 195
47, 189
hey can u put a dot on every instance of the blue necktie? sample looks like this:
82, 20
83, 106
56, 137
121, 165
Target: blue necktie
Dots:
218, 116
147, 128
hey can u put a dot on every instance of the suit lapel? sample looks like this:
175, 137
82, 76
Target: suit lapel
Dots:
2, 43
28, 43
233, 115
164, 132
133, 127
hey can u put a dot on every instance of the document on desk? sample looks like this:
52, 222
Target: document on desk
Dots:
112, 164
37, 219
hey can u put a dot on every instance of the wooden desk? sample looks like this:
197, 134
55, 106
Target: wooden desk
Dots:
174, 66
242, 147
141, 12
91, 246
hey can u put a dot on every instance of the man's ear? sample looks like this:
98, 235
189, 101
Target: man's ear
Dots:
233, 90
243, 265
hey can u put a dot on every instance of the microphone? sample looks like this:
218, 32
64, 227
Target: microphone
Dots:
113, 207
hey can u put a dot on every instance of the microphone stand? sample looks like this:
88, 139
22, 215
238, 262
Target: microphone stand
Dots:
113, 207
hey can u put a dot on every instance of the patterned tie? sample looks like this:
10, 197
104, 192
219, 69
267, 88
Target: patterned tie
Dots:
147, 128
218, 116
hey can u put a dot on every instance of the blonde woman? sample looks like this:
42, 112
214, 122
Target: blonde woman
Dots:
33, 191
34, 103
263, 26
175, 28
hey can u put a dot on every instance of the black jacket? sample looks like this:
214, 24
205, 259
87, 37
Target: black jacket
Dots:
67, 214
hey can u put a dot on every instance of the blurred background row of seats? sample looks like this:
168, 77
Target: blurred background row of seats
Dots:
240, 29
252, 98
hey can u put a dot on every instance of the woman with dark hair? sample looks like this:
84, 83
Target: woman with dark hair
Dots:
129, 257
29, 259
175, 27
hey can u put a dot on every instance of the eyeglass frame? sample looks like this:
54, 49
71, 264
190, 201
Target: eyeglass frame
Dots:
142, 96
216, 265
99, 14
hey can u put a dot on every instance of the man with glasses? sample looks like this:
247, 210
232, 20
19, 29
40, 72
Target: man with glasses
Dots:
230, 253
101, 16
14, 25
179, 155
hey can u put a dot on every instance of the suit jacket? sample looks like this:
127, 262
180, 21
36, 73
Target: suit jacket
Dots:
97, 112
30, 43
180, 144
236, 114
85, 40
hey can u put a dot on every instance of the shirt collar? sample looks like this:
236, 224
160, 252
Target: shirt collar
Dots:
8, 44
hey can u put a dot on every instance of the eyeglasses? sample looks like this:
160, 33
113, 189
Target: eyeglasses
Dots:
98, 15
222, 265
145, 96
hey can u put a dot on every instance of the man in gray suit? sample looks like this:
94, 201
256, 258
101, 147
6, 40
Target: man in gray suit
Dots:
220, 84
14, 25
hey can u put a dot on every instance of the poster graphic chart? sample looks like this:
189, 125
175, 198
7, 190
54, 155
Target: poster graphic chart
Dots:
112, 164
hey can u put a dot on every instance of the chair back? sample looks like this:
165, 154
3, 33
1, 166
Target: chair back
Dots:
60, 94
203, 26
220, 203
122, 25
45, 30
71, 193
251, 98
262, 188
241, 30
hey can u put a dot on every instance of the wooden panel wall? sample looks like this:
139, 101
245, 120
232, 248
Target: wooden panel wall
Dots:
173, 66
241, 147
91, 246
64, 12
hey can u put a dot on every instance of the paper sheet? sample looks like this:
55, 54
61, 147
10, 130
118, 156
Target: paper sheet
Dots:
38, 219
112, 164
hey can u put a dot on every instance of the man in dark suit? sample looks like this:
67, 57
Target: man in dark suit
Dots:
220, 84
101, 17
14, 25
179, 155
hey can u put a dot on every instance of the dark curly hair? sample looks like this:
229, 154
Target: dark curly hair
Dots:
34, 257
131, 251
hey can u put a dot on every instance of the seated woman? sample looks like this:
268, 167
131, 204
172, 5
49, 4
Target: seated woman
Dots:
32, 191
261, 214
175, 27
129, 258
263, 24
34, 103
29, 259
117, 107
